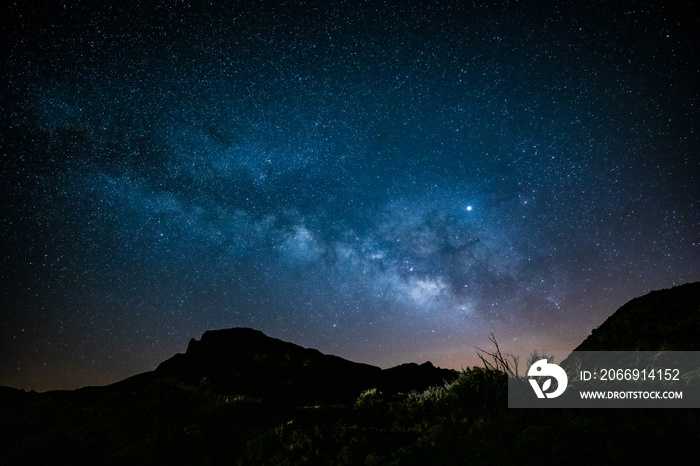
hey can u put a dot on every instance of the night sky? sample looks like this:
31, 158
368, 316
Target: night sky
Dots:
384, 181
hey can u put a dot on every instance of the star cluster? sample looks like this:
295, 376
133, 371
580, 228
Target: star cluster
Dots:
385, 181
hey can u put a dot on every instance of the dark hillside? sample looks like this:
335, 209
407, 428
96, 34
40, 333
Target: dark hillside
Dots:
666, 320
239, 397
247, 362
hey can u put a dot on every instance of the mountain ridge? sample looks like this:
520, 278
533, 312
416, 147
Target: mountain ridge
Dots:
666, 319
237, 396
246, 361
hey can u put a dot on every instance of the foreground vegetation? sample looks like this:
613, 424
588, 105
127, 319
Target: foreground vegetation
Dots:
463, 422
468, 422
179, 417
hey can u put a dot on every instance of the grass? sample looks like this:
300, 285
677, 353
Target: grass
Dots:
465, 421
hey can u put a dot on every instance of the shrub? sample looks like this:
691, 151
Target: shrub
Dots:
369, 399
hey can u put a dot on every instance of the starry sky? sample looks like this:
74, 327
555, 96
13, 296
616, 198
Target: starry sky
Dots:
387, 181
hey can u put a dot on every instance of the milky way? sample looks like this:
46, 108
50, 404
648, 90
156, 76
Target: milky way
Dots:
384, 181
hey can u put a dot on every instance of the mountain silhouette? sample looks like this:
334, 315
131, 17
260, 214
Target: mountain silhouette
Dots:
247, 362
667, 320
209, 402
650, 330
237, 396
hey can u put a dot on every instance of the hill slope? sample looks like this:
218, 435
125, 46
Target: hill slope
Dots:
239, 397
247, 362
667, 320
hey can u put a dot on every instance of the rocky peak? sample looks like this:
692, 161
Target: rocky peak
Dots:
246, 361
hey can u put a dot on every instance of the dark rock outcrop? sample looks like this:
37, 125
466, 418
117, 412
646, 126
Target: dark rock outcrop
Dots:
666, 319
247, 362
